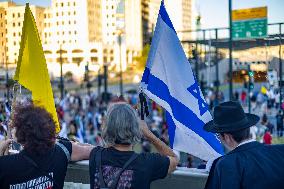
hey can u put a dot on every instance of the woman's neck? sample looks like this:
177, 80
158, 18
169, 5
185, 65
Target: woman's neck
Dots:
121, 147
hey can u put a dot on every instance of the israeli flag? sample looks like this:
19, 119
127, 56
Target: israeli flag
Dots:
169, 81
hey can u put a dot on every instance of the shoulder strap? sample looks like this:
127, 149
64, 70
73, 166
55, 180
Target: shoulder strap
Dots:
99, 166
45, 173
66, 152
131, 159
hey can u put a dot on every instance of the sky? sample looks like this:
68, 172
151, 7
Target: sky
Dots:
214, 13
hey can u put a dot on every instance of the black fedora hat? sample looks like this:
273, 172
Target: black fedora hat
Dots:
229, 117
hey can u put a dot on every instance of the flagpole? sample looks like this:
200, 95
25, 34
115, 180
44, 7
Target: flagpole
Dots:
230, 53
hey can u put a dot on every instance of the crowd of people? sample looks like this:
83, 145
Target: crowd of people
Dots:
81, 118
112, 130
43, 157
265, 103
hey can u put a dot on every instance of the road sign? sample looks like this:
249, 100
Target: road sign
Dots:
249, 23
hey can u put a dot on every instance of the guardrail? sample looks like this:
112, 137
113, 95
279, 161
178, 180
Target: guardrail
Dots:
180, 179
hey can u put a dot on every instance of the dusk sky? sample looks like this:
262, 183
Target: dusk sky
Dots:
214, 12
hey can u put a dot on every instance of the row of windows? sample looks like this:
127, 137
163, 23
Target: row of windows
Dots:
14, 24
47, 34
69, 22
69, 13
112, 7
69, 32
47, 24
14, 34
63, 42
48, 15
62, 4
14, 15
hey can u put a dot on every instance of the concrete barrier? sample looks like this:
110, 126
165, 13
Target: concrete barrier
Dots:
180, 179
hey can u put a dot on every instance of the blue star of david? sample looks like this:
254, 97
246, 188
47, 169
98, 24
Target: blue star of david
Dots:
195, 91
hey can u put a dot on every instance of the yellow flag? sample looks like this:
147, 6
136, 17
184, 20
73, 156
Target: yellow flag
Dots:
32, 70
263, 90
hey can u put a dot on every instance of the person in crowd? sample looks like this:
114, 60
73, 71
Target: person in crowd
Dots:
189, 161
116, 165
267, 138
43, 161
4, 146
249, 164
268, 125
243, 97
279, 123
236, 94
73, 132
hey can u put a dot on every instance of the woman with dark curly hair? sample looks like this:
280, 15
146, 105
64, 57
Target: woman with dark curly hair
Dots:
43, 161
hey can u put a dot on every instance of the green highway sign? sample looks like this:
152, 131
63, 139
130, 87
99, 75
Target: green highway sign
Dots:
249, 23
249, 29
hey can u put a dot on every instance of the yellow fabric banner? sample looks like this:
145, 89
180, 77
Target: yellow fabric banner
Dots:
263, 90
31, 71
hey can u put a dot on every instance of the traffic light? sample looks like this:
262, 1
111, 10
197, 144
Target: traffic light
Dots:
251, 78
251, 85
251, 74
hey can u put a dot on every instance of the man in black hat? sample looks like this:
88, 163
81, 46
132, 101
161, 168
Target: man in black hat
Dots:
249, 164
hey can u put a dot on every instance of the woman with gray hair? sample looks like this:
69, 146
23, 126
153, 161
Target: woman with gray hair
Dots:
116, 165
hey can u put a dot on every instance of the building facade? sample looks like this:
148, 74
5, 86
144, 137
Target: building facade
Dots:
77, 33
11, 23
180, 13
2, 36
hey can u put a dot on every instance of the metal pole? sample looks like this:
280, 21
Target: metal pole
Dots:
249, 84
280, 65
61, 75
230, 53
105, 84
217, 66
99, 83
7, 74
120, 63
88, 80
204, 59
204, 37
196, 61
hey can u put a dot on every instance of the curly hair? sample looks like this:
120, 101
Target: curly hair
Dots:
35, 128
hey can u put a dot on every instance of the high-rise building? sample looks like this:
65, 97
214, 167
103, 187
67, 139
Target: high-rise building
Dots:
121, 18
73, 36
78, 33
14, 17
2, 36
180, 12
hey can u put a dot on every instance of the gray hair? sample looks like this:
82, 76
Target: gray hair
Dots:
121, 125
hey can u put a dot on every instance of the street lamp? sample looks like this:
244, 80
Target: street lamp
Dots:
280, 65
61, 72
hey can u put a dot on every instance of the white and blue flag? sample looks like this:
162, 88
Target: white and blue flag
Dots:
168, 80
